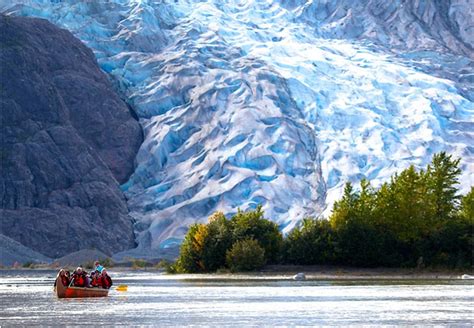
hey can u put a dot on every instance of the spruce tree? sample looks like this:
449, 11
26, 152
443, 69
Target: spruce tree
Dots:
442, 178
466, 211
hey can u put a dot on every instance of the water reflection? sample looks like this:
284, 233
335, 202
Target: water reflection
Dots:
162, 300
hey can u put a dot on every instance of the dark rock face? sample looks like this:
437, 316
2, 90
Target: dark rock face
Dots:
67, 141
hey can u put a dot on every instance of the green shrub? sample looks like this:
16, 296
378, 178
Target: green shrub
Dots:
205, 245
190, 252
107, 262
365, 245
138, 263
28, 265
311, 243
168, 266
245, 255
252, 225
217, 241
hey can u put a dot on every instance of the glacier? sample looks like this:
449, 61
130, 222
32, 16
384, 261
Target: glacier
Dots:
277, 103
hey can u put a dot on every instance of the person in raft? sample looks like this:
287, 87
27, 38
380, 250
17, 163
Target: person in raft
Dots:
79, 278
64, 275
95, 279
105, 280
98, 267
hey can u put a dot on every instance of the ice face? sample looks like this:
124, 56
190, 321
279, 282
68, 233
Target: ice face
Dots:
252, 102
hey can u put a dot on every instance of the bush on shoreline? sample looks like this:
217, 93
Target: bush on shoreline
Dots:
245, 255
416, 219
205, 246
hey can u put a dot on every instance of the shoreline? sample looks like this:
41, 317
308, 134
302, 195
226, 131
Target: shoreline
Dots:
312, 272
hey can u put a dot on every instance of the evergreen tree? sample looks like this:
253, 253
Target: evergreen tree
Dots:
466, 211
365, 203
344, 210
442, 178
410, 221
385, 209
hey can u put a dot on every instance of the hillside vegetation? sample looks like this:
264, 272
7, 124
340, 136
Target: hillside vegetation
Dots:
416, 219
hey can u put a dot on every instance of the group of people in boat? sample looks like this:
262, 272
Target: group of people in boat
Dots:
98, 277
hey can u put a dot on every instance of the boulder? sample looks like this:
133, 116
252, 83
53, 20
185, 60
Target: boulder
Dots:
299, 276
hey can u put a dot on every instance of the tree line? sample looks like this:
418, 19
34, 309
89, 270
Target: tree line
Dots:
418, 218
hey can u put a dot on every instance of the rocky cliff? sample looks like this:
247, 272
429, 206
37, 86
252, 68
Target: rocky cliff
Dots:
67, 141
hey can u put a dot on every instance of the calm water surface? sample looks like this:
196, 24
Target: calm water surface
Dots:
155, 299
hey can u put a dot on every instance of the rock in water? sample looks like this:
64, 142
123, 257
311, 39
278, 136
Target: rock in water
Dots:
67, 142
299, 276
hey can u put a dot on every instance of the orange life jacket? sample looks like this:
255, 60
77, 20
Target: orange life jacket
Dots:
106, 281
79, 279
96, 281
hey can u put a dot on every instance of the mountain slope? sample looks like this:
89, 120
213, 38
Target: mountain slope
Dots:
14, 252
67, 139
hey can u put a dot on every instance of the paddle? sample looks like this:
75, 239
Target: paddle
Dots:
70, 284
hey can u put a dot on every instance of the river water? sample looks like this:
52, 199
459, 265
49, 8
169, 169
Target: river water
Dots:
155, 299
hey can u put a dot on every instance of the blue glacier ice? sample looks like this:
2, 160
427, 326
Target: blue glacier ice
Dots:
276, 103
